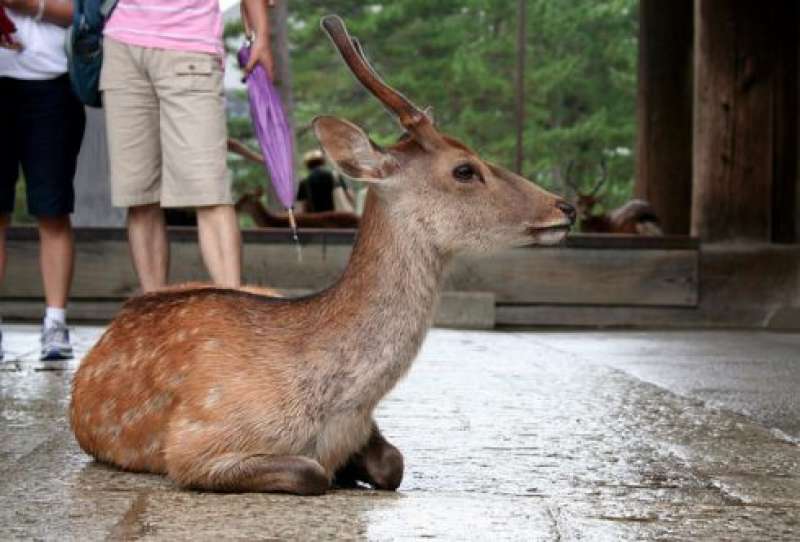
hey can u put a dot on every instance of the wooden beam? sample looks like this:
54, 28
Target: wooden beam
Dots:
627, 275
326, 237
745, 121
664, 111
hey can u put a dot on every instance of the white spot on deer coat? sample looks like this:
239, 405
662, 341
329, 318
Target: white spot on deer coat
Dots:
153, 447
213, 398
108, 407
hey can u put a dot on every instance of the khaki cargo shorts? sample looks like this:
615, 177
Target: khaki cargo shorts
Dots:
167, 132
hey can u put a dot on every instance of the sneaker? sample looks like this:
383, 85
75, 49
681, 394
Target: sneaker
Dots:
55, 343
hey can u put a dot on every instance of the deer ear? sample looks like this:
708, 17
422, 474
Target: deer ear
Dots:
352, 151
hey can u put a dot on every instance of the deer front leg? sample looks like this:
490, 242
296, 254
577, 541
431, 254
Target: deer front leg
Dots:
245, 473
378, 463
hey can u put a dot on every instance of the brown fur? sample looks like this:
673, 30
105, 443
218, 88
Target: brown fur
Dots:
235, 390
635, 217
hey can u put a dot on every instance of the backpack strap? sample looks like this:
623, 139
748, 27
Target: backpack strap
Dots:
106, 7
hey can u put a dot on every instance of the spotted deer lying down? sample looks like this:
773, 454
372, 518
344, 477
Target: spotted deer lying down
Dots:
228, 390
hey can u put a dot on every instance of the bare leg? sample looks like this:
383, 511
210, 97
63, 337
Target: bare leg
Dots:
4, 222
221, 244
56, 258
243, 473
147, 237
379, 464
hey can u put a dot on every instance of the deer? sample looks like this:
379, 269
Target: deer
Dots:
634, 217
252, 205
225, 390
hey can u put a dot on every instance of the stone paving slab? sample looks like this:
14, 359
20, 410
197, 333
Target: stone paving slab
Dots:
507, 436
756, 373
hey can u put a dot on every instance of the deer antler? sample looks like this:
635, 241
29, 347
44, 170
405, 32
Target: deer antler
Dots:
411, 117
603, 177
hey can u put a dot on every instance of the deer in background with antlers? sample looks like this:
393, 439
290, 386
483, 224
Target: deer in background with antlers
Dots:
225, 390
634, 217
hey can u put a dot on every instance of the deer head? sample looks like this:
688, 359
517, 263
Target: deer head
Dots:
433, 180
585, 201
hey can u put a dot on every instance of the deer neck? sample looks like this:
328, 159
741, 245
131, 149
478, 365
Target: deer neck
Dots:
386, 301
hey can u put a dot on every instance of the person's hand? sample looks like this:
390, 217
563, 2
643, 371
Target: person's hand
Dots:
260, 53
7, 42
25, 7
7, 29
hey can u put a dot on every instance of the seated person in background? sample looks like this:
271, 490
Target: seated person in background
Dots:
316, 191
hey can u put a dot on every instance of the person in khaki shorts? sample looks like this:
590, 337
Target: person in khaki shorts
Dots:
162, 88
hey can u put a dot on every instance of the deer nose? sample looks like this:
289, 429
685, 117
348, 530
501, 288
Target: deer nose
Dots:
568, 210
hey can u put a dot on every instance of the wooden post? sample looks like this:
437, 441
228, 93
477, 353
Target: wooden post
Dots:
785, 113
797, 162
664, 111
745, 122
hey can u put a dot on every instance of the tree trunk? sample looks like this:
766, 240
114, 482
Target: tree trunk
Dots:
520, 83
279, 32
664, 111
745, 120
92, 187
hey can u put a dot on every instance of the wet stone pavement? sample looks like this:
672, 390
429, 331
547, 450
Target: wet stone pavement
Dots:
506, 436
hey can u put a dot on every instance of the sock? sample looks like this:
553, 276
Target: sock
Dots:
54, 316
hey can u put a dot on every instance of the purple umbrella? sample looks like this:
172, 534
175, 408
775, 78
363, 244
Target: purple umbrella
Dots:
272, 132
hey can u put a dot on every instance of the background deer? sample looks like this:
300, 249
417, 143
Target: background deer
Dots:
634, 217
252, 205
226, 390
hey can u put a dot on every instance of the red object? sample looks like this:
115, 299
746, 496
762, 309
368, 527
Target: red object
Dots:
7, 30
6, 25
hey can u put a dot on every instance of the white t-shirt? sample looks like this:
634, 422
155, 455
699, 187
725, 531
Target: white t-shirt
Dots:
43, 56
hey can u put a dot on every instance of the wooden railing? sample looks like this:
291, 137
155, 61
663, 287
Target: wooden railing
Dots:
589, 270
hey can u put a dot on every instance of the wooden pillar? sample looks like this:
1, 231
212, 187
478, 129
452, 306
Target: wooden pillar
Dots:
664, 111
785, 111
745, 122
796, 301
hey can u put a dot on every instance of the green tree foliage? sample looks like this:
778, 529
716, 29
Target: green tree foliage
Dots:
458, 57
21, 215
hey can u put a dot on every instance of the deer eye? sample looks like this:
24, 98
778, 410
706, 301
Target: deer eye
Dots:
466, 173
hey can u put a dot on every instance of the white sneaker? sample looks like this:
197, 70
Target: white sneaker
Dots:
55, 343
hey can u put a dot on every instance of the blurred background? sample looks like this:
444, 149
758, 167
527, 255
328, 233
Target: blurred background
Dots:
465, 58
679, 114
